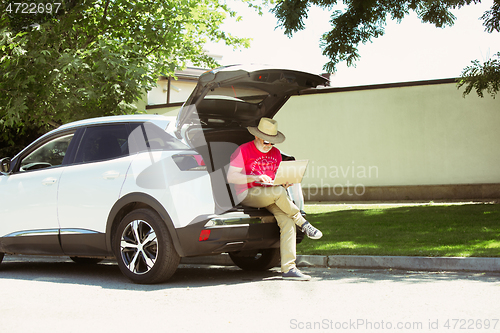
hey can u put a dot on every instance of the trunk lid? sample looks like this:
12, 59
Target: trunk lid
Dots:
241, 95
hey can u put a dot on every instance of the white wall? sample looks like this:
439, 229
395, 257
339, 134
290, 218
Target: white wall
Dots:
399, 142
416, 135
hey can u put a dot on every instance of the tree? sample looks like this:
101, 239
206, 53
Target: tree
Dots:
482, 77
89, 58
363, 20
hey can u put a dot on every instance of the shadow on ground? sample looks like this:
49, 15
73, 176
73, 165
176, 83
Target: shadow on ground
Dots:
107, 274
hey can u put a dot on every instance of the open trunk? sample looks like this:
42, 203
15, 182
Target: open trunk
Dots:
214, 122
216, 147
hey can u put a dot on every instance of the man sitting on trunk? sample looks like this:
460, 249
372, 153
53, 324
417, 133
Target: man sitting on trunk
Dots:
258, 161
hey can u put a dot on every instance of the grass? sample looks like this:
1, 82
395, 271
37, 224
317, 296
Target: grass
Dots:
448, 230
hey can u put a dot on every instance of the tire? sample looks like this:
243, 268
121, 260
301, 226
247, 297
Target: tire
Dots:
86, 261
144, 249
256, 261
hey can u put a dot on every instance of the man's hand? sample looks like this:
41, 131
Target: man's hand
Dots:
264, 179
237, 176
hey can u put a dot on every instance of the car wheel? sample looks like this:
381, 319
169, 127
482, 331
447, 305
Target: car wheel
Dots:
86, 261
256, 261
144, 248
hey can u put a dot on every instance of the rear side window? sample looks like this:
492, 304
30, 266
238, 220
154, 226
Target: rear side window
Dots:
103, 143
148, 136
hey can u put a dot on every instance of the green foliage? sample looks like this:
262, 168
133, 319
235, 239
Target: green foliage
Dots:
23, 136
491, 18
96, 58
482, 77
363, 20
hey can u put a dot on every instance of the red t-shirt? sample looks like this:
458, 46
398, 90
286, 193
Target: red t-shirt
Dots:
255, 162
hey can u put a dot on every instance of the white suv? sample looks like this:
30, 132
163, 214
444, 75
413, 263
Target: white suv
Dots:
148, 190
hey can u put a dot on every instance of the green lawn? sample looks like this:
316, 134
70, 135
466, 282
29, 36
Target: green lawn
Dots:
454, 230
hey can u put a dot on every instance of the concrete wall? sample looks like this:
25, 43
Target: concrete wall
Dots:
390, 142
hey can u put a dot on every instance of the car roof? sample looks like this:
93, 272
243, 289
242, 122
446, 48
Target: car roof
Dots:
159, 120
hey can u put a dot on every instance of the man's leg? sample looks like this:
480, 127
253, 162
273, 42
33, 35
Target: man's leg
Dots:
266, 196
287, 238
276, 200
288, 245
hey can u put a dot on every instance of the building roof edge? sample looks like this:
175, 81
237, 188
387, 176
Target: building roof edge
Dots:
377, 86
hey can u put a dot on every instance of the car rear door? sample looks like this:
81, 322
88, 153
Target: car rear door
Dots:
89, 188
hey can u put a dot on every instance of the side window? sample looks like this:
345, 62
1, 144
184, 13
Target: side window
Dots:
148, 136
48, 155
103, 143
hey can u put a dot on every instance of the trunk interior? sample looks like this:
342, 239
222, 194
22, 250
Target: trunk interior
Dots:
216, 147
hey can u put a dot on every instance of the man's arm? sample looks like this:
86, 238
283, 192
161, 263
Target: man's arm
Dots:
237, 176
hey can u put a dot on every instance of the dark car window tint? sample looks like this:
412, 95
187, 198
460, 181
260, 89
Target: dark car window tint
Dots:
234, 92
103, 143
48, 155
148, 136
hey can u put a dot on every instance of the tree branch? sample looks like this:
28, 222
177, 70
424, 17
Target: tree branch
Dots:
105, 12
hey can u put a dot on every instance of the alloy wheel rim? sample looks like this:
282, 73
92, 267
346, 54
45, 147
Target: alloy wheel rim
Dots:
139, 247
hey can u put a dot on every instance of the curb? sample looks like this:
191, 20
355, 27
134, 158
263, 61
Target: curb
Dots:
374, 262
417, 263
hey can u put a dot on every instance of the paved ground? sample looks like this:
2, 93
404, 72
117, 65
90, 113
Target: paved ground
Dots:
41, 294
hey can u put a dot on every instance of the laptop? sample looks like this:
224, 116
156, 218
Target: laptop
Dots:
289, 171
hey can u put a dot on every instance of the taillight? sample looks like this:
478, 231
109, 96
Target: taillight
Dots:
199, 159
204, 234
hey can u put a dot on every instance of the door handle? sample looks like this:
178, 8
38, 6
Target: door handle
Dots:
49, 181
110, 175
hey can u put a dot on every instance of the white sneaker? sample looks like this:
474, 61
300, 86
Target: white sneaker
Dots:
311, 231
295, 274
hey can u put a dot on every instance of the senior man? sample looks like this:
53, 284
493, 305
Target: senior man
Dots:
256, 162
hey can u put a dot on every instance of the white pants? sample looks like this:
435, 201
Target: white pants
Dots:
276, 200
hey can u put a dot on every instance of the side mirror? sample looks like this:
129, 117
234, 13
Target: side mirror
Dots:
5, 166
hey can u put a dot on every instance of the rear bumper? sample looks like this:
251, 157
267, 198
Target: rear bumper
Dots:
235, 231
227, 233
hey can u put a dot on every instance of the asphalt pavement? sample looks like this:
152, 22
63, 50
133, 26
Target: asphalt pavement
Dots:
53, 294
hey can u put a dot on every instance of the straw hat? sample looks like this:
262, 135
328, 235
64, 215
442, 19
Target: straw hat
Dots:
267, 131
